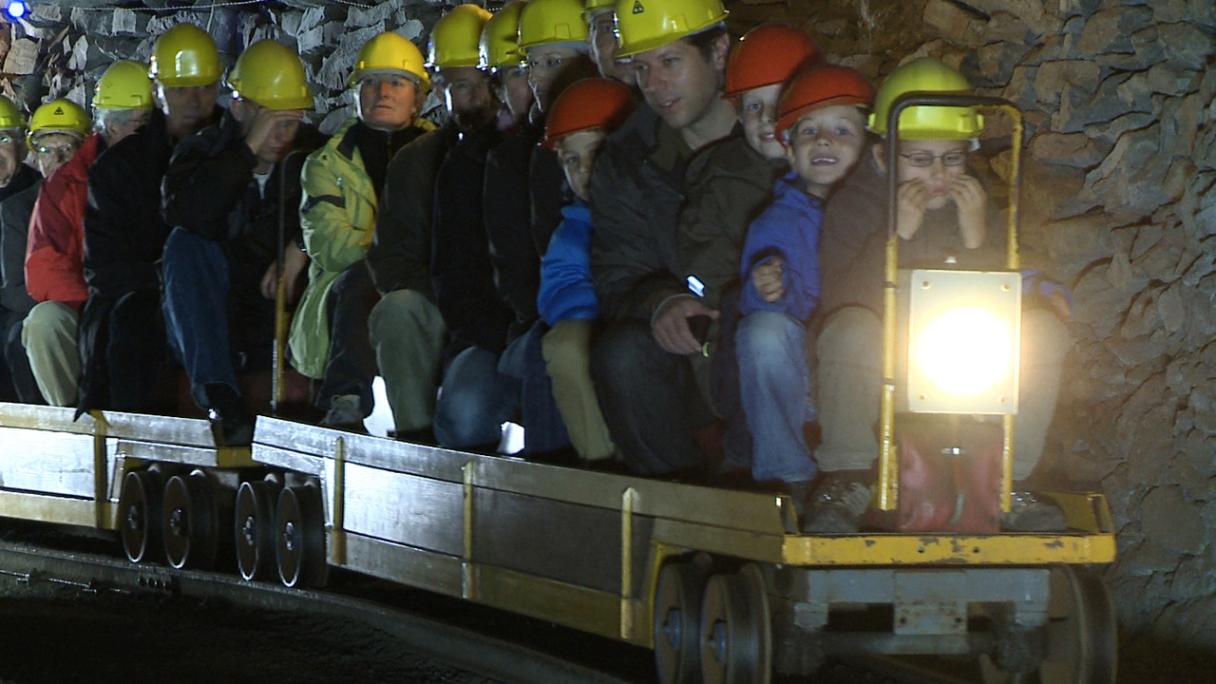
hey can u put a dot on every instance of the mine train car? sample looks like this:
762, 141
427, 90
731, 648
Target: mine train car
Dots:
717, 582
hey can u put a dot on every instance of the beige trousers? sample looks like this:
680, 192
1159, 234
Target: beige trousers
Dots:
49, 336
850, 354
567, 352
407, 334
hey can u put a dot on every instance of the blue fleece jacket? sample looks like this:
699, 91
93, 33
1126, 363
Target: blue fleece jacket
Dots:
566, 290
788, 228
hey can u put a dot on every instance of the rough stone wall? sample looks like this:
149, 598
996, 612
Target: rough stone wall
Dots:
61, 50
1121, 195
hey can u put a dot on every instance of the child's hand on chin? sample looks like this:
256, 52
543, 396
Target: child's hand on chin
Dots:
972, 203
912, 197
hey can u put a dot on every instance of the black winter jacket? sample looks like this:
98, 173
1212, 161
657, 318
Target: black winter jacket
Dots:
508, 216
19, 197
461, 271
637, 189
400, 254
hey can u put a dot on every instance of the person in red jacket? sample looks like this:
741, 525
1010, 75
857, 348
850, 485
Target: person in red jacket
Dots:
54, 270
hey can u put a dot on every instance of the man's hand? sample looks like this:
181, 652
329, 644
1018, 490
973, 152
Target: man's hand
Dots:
768, 278
294, 263
261, 133
911, 197
670, 324
972, 201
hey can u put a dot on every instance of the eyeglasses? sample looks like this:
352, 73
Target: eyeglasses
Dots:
923, 159
6, 139
57, 150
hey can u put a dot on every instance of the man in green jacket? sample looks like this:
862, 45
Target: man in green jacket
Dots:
342, 183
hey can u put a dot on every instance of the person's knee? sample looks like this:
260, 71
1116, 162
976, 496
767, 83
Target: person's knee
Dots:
764, 340
618, 350
566, 355
401, 310
48, 321
850, 333
463, 418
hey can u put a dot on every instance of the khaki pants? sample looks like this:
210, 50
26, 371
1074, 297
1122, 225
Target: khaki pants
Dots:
49, 336
850, 365
407, 334
567, 351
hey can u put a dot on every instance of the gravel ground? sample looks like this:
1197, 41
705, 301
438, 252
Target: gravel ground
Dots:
73, 638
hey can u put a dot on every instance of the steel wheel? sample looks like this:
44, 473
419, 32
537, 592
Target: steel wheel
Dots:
736, 637
189, 522
677, 618
254, 529
1082, 641
300, 537
140, 516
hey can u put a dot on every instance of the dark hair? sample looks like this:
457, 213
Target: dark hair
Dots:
705, 40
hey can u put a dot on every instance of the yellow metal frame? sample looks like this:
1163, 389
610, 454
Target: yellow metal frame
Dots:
888, 458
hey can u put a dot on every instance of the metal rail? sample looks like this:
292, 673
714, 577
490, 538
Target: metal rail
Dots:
458, 647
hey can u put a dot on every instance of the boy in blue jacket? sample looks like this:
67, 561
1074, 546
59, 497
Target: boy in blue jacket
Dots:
822, 127
580, 120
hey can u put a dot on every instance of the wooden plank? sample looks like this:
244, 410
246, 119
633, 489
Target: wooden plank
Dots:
203, 457
288, 459
399, 563
59, 419
162, 429
48, 462
717, 507
417, 511
44, 508
572, 543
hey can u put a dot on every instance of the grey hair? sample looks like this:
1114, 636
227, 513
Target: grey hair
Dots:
118, 117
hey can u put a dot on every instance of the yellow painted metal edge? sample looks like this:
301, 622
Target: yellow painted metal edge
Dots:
1004, 549
51, 509
589, 610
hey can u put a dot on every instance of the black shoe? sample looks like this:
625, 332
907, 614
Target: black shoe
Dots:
1029, 513
231, 425
836, 506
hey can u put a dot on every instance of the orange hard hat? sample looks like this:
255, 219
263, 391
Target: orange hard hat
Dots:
821, 86
589, 103
767, 55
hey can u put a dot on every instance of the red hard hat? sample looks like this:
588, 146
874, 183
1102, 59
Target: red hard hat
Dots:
768, 55
586, 104
821, 87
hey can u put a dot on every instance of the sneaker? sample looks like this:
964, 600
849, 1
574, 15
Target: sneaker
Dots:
836, 507
345, 413
1029, 513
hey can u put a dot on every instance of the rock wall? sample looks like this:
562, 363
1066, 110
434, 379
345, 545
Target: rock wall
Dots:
61, 50
1120, 194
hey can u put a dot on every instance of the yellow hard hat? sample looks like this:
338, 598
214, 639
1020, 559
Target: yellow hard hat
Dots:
270, 74
456, 37
592, 5
10, 115
390, 52
926, 123
648, 24
184, 57
499, 46
552, 21
124, 85
58, 116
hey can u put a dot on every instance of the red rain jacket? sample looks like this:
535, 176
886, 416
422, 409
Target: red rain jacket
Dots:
54, 268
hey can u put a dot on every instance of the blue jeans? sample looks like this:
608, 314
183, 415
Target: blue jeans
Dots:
774, 381
196, 311
475, 401
523, 360
482, 390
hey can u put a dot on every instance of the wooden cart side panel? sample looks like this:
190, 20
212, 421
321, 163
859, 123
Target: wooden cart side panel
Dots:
571, 543
406, 509
703, 505
47, 462
51, 509
56, 418
193, 432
